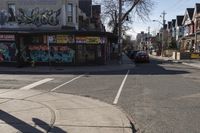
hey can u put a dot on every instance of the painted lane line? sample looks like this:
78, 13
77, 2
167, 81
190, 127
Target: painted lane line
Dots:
28, 87
67, 82
120, 88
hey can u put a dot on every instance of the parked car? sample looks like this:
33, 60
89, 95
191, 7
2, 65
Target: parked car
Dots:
131, 54
142, 56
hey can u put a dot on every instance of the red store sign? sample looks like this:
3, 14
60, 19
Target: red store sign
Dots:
7, 37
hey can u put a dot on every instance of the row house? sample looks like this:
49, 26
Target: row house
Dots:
171, 40
185, 30
169, 31
179, 29
196, 20
173, 28
190, 42
52, 32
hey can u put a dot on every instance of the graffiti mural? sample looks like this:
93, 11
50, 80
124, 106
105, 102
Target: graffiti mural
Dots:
7, 52
38, 17
62, 54
58, 54
38, 53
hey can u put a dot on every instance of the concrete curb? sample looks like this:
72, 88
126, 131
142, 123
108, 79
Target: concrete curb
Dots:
195, 65
192, 65
64, 106
66, 70
135, 126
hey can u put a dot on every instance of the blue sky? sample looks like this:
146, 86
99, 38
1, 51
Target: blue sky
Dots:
171, 7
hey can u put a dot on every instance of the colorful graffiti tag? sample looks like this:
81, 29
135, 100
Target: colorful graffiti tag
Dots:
90, 40
38, 17
7, 52
35, 16
58, 54
38, 53
61, 54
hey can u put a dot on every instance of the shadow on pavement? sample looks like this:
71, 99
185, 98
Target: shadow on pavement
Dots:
152, 68
16, 123
45, 126
23, 127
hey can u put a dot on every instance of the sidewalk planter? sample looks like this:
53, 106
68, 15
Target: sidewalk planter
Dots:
169, 52
195, 56
185, 55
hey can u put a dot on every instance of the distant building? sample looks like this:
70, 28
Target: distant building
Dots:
143, 40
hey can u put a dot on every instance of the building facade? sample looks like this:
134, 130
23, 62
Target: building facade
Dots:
188, 39
179, 29
196, 20
48, 32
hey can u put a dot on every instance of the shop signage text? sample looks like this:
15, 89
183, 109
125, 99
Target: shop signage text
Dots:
90, 40
7, 37
61, 39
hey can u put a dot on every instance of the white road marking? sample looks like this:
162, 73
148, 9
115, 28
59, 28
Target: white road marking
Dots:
67, 82
120, 88
36, 84
197, 95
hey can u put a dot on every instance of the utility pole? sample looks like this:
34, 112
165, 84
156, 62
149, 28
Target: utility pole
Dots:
148, 37
163, 30
163, 15
119, 31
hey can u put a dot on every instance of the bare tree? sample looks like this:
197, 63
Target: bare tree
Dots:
130, 9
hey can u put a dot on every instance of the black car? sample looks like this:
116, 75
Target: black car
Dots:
131, 54
142, 56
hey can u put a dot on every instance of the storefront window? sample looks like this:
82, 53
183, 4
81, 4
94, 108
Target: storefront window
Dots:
7, 51
7, 48
87, 54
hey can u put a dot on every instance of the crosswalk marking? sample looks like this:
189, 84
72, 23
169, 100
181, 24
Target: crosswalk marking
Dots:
30, 86
120, 88
67, 82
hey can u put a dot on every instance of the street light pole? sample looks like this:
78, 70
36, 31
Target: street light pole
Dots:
119, 31
163, 30
162, 40
163, 15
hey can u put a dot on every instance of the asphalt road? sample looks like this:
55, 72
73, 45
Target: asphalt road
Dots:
161, 97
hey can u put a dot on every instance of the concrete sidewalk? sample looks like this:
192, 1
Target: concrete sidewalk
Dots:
194, 63
113, 66
49, 112
35, 111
